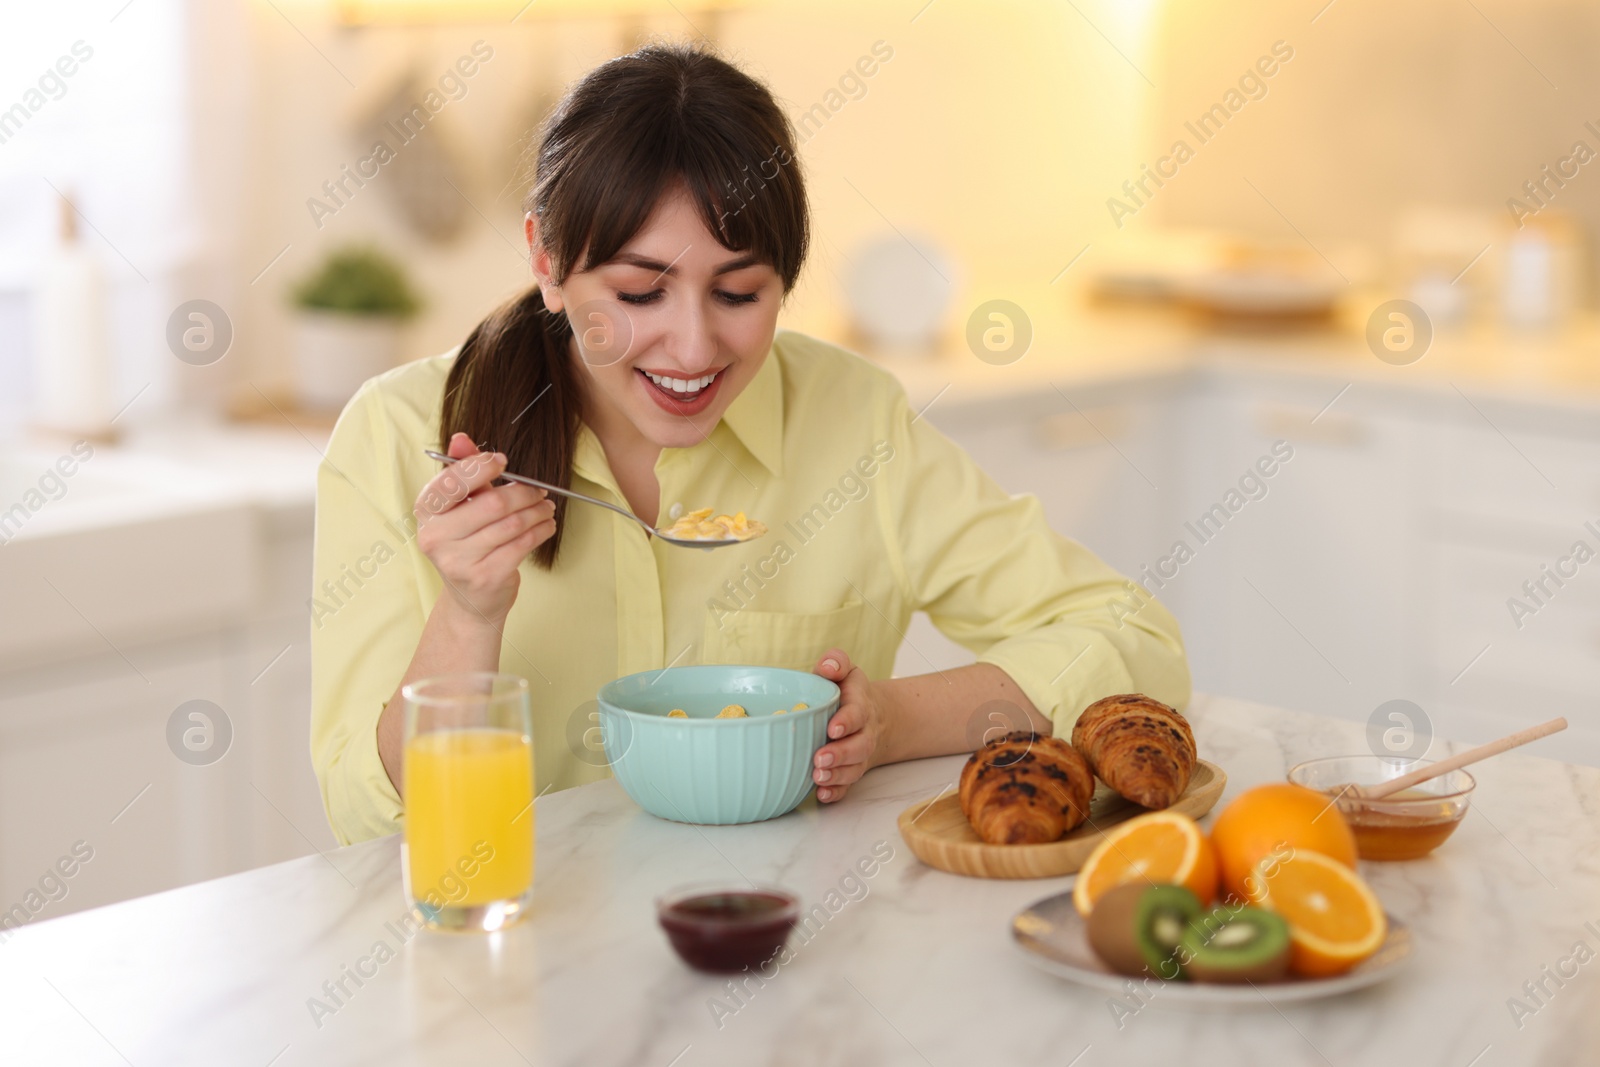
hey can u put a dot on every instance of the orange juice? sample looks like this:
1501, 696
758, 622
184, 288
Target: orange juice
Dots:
469, 816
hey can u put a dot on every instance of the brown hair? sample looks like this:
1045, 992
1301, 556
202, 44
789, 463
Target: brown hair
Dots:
629, 132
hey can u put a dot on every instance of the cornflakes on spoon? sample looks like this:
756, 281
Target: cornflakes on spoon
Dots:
700, 525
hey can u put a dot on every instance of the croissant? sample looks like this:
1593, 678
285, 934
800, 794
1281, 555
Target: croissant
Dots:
1139, 747
1025, 789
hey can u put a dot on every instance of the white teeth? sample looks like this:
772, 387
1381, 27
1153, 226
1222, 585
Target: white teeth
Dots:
685, 386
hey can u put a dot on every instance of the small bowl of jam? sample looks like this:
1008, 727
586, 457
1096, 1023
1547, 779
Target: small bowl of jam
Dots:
1402, 826
726, 930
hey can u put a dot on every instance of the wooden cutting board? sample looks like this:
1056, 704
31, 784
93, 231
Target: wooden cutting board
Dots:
941, 837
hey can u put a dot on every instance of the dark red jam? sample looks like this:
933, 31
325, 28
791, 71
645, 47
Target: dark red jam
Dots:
727, 931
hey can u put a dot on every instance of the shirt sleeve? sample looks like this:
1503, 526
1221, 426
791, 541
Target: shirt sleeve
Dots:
994, 577
366, 616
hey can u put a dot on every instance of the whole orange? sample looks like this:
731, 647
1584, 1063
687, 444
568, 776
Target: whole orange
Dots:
1276, 819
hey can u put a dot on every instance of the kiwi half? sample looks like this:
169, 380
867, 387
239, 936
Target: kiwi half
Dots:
1237, 944
1137, 928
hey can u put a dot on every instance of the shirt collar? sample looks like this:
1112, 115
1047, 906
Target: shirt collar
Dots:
756, 415
589, 459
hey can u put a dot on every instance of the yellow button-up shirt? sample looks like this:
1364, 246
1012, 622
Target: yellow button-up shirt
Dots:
873, 515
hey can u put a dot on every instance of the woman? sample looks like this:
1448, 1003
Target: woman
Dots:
666, 223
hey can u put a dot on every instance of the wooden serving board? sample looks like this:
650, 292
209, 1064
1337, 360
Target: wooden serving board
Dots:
940, 836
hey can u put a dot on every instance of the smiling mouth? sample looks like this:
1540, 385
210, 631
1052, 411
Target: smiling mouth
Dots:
681, 389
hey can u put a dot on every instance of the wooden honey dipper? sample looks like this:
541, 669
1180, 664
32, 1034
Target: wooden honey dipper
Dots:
1350, 794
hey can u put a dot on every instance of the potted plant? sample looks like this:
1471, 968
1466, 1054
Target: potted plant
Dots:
348, 330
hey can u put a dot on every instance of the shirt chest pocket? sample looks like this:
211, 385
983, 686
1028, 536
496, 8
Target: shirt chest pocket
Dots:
795, 640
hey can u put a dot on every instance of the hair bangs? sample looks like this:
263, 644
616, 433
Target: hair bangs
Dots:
742, 179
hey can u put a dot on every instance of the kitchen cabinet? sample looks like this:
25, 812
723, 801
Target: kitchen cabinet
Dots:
286, 801
1305, 596
86, 759
1102, 459
1376, 562
1515, 492
85, 705
1298, 591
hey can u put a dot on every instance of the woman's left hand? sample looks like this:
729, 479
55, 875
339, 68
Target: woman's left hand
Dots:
855, 733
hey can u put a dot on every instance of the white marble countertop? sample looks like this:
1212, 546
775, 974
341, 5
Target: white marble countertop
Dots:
918, 970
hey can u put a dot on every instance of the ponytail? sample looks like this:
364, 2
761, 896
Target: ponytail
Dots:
513, 389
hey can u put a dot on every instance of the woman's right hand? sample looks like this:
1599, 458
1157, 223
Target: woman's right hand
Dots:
476, 534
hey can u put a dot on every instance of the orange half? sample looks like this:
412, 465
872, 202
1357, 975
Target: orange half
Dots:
1335, 920
1161, 848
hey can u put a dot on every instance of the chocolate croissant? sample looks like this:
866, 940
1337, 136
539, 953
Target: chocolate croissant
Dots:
1139, 747
1025, 789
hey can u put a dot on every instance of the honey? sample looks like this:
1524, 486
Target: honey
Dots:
1402, 826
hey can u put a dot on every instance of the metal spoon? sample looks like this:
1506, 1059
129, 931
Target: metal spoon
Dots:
681, 542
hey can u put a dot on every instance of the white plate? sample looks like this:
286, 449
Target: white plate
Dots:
1054, 938
898, 288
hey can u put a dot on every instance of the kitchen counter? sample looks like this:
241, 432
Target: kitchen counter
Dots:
1093, 346
914, 966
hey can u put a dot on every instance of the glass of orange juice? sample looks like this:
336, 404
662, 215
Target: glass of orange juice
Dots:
468, 775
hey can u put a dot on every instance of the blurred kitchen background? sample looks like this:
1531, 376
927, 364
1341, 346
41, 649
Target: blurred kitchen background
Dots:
1119, 250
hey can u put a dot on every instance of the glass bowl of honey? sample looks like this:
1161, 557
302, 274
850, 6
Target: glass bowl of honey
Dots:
1402, 826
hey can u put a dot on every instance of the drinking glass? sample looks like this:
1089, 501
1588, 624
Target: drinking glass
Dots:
467, 857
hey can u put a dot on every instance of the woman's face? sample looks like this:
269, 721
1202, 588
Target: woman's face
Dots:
670, 330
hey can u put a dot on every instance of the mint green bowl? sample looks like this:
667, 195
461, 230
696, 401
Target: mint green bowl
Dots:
708, 770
